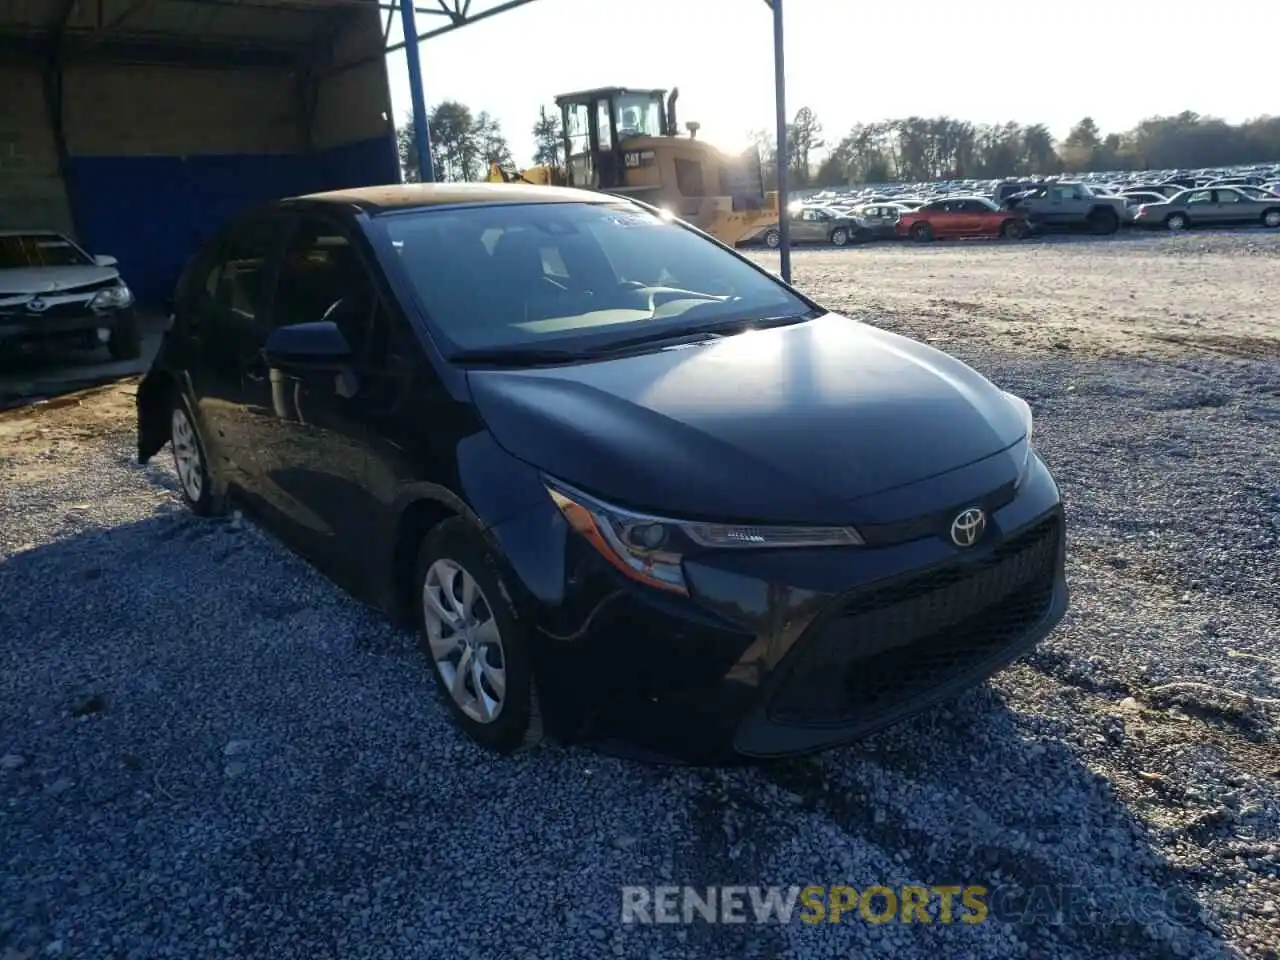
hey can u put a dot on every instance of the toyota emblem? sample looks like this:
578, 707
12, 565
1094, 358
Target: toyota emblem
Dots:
36, 305
968, 526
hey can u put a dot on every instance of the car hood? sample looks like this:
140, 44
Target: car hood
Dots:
790, 424
19, 280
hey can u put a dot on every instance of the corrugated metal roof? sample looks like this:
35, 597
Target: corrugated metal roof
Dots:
275, 24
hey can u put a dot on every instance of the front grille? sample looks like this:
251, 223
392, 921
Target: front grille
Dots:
886, 645
56, 311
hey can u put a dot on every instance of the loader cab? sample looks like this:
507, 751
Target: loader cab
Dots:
598, 123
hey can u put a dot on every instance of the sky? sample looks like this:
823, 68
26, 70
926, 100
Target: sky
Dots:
980, 60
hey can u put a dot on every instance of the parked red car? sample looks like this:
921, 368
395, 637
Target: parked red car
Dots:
961, 217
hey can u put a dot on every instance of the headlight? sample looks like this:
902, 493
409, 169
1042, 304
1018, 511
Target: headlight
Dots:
651, 549
112, 298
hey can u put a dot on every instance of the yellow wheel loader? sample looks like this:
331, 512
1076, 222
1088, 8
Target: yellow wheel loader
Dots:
625, 141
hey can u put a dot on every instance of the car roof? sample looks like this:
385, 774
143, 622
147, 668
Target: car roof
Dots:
399, 196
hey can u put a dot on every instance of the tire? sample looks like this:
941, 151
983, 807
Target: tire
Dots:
1271, 218
773, 239
921, 232
1176, 222
839, 237
126, 340
504, 720
1013, 230
1102, 222
191, 461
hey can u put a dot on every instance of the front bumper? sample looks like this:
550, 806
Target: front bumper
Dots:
878, 655
790, 651
60, 325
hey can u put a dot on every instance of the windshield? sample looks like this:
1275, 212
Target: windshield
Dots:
40, 250
638, 116
552, 274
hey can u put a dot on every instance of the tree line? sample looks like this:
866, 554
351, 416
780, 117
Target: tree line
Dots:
464, 145
933, 148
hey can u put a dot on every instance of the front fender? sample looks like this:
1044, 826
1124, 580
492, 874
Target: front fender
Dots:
489, 488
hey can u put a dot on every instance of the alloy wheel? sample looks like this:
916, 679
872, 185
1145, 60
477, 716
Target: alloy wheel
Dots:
1271, 218
186, 454
464, 640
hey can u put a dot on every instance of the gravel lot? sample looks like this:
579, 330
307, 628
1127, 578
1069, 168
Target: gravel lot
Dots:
208, 751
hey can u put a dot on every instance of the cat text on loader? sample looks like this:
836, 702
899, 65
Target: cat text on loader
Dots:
625, 141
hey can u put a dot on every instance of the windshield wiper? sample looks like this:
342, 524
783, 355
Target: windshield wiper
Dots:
705, 329
547, 356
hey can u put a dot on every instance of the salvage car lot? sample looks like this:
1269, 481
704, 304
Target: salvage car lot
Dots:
208, 751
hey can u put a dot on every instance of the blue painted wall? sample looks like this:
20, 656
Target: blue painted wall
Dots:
153, 212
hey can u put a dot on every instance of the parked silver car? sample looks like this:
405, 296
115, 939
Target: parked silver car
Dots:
817, 225
1209, 206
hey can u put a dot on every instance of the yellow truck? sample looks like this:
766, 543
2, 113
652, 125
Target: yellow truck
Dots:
625, 141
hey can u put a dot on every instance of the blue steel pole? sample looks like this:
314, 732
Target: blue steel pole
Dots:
780, 98
421, 131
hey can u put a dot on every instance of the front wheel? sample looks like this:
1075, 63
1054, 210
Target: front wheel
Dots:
773, 239
125, 342
477, 647
921, 233
839, 237
1271, 218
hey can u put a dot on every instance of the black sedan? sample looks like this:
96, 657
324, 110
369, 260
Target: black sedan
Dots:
626, 483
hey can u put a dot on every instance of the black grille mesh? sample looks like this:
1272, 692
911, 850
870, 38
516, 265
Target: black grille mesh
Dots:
891, 643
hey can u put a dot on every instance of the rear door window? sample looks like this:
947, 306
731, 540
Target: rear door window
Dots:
243, 268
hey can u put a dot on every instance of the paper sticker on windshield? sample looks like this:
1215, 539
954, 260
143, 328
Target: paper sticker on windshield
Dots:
634, 220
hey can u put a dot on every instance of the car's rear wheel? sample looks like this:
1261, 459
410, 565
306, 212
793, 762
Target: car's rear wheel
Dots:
1271, 218
1102, 222
1013, 229
839, 237
477, 646
773, 239
921, 232
1176, 221
190, 459
125, 342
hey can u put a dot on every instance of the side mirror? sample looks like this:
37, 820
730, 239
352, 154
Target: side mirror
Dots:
106, 260
308, 346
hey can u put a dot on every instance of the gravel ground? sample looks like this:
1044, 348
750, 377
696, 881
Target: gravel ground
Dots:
1139, 294
206, 750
